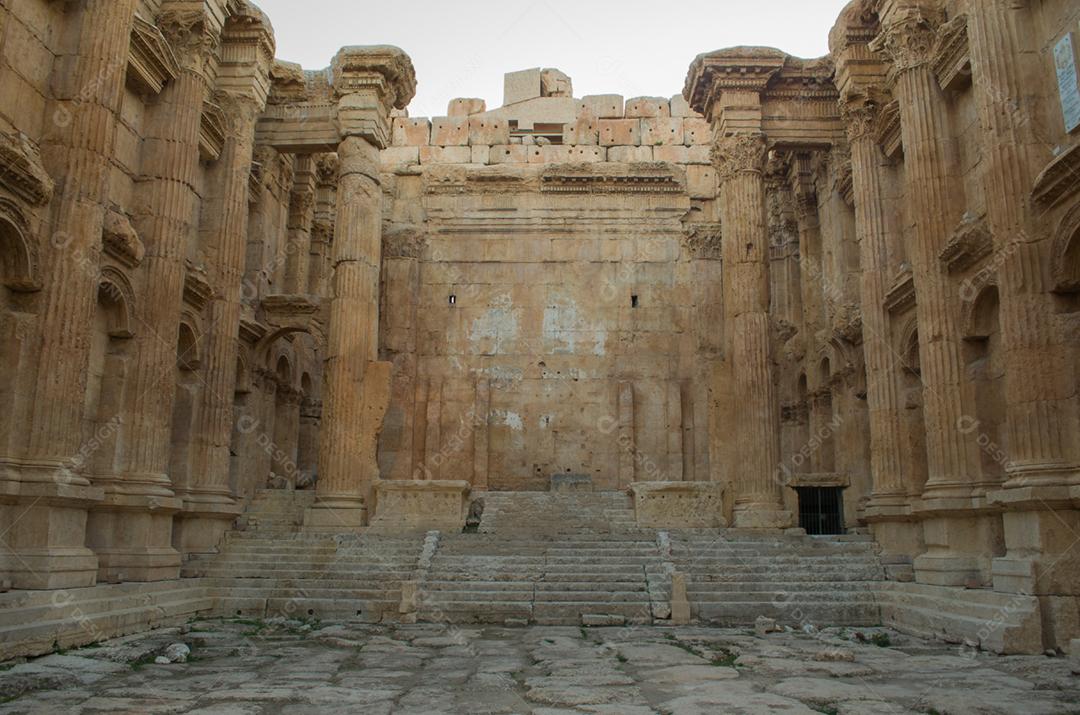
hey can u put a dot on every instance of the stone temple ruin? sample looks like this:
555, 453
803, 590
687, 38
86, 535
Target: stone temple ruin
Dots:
800, 342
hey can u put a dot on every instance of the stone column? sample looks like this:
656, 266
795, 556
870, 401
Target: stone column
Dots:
740, 160
209, 506
950, 527
888, 508
142, 493
1039, 522
286, 433
369, 82
301, 214
46, 519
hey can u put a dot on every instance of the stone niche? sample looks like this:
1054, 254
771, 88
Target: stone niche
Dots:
418, 505
678, 505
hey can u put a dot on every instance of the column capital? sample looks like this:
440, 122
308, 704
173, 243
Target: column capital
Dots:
908, 33
369, 82
859, 111
739, 154
193, 36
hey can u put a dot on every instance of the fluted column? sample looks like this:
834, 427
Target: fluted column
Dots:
952, 455
1040, 405
875, 231
356, 394
209, 505
758, 501
47, 522
301, 215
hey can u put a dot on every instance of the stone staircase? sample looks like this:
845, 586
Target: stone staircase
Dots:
734, 578
270, 568
551, 558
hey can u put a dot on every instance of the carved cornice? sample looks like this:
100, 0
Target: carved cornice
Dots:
197, 289
566, 180
952, 59
248, 25
845, 180
120, 240
901, 296
969, 243
736, 68
887, 130
252, 331
704, 240
1058, 180
22, 171
908, 36
738, 154
384, 68
151, 61
212, 131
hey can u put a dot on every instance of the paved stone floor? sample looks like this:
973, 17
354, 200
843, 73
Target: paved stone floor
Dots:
241, 667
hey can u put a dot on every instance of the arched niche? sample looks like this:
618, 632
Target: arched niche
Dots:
1065, 253
18, 250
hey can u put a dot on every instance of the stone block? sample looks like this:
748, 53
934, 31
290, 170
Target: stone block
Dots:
601, 106
672, 154
699, 154
662, 131
450, 131
406, 505
488, 131
678, 505
586, 154
647, 107
508, 154
522, 85
399, 156
445, 154
411, 132
481, 154
697, 132
630, 154
681, 108
554, 154
619, 132
585, 131
466, 106
701, 181
680, 604
602, 619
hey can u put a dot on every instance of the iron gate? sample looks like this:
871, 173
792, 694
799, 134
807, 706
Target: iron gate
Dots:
821, 510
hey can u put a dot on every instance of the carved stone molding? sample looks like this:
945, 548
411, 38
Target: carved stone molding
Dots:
404, 243
704, 240
151, 61
969, 243
22, 171
643, 181
887, 130
252, 331
847, 323
120, 240
738, 68
908, 36
212, 131
901, 296
191, 35
384, 68
739, 154
118, 287
197, 289
952, 59
1058, 180
859, 113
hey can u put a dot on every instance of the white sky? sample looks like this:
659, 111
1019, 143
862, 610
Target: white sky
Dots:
462, 48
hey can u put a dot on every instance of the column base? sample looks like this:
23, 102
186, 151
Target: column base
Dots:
337, 515
44, 545
202, 522
752, 517
132, 536
960, 545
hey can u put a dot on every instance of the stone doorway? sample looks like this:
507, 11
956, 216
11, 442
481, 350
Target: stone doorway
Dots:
821, 510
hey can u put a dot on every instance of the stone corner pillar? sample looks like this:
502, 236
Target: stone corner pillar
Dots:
209, 507
369, 82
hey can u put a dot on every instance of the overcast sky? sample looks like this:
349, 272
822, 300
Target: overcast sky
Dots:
462, 48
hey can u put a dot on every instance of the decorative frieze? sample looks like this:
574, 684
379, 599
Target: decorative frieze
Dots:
703, 240
645, 182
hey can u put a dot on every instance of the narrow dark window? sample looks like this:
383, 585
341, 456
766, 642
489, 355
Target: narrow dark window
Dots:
633, 301
453, 300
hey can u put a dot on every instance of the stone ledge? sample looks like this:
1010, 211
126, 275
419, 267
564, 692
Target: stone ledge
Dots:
409, 505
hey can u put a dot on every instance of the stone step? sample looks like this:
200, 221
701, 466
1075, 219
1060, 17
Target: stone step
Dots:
792, 613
